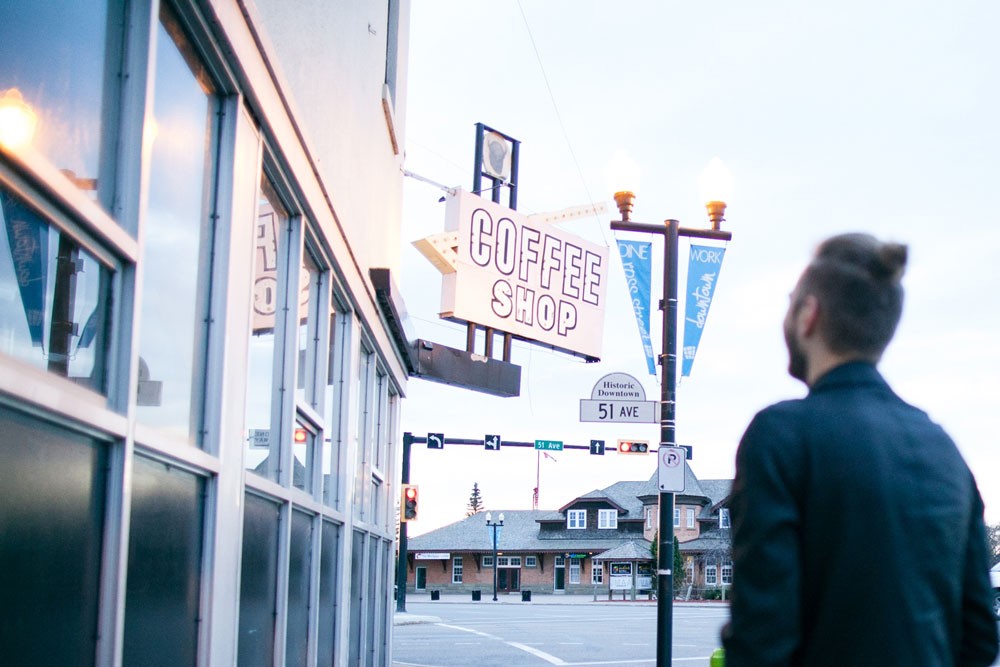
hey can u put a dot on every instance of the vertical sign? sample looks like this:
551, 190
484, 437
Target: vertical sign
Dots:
638, 265
704, 265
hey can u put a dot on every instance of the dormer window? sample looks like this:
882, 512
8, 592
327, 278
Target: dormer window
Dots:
724, 518
576, 519
607, 519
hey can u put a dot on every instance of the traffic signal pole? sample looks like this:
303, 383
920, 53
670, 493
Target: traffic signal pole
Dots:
401, 566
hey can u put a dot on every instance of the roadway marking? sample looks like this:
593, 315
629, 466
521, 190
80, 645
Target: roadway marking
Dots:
553, 660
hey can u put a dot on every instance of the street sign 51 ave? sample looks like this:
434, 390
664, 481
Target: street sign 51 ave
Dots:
619, 397
638, 412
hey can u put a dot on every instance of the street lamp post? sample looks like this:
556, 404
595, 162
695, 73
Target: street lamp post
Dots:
494, 526
671, 232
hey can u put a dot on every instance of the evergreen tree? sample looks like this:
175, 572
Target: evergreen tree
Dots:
475, 505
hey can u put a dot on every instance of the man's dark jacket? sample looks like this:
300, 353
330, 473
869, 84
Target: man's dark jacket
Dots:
858, 536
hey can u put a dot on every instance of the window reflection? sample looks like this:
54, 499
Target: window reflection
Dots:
272, 221
177, 237
309, 302
55, 297
54, 57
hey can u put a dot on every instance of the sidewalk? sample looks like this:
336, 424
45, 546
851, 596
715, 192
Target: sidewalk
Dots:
536, 599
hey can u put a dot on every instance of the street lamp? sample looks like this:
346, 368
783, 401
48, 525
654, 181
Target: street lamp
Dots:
494, 526
715, 180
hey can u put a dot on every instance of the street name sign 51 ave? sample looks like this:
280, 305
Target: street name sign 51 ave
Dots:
619, 397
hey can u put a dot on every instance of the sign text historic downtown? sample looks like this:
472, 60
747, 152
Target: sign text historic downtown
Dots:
619, 397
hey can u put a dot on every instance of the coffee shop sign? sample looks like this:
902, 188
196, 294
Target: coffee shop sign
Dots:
530, 279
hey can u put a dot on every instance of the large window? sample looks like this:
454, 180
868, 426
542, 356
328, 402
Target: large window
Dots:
727, 573
574, 571
456, 570
271, 241
52, 520
724, 518
327, 649
576, 519
677, 517
258, 582
607, 519
54, 313
596, 572
334, 404
177, 239
162, 599
690, 517
711, 575
299, 567
61, 67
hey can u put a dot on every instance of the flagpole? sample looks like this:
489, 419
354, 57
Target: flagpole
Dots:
538, 479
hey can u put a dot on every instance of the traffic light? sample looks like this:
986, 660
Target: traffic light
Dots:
409, 503
632, 447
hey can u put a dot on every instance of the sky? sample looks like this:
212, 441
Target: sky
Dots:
854, 116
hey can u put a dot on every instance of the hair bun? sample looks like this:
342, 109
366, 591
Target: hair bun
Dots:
892, 261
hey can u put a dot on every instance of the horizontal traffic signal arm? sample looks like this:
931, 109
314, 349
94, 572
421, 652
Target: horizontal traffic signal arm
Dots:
478, 442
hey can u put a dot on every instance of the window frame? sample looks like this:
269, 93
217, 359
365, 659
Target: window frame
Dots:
530, 561
576, 519
575, 571
690, 517
724, 518
607, 519
596, 572
711, 575
457, 570
677, 517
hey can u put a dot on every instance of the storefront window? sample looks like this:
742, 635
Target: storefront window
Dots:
57, 73
55, 297
270, 238
177, 241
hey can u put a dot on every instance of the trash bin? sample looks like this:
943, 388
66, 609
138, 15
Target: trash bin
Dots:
525, 596
435, 595
477, 596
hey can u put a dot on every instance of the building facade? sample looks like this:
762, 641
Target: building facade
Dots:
199, 390
599, 543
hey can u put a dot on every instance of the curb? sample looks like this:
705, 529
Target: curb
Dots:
413, 619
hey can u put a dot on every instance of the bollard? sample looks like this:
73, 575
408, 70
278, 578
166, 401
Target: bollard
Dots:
718, 658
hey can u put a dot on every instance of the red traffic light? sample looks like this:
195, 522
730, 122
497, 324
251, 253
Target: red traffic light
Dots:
300, 436
408, 505
632, 447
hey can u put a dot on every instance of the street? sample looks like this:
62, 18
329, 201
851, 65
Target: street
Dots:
499, 635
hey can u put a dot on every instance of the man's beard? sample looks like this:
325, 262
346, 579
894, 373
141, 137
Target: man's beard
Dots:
797, 362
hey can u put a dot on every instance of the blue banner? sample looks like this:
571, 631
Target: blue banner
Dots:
704, 265
27, 236
638, 264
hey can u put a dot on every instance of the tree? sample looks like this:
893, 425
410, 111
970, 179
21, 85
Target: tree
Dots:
475, 505
679, 572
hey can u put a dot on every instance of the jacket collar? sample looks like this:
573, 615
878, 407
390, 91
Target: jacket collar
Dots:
850, 373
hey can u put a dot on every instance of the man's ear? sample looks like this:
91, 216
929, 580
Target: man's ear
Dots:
808, 316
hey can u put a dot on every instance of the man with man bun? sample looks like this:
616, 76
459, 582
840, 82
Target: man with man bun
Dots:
858, 534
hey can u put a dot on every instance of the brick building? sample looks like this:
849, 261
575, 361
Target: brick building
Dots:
592, 544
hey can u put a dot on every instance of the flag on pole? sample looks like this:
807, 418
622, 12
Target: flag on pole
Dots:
637, 261
704, 264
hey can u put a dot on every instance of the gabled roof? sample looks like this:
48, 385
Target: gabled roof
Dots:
717, 490
593, 496
631, 550
711, 540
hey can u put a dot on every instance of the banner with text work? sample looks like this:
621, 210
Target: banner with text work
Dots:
704, 264
638, 264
